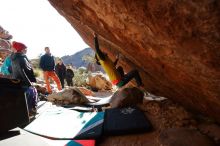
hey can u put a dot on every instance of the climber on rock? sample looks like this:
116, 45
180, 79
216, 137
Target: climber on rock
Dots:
116, 75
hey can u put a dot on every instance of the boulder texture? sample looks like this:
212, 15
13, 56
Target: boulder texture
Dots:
212, 130
126, 97
184, 137
99, 82
174, 44
4, 43
68, 97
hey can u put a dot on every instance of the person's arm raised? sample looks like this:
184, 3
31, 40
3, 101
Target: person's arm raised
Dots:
116, 61
98, 51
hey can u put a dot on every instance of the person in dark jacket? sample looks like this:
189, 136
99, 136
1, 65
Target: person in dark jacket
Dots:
22, 70
69, 76
21, 67
47, 64
60, 69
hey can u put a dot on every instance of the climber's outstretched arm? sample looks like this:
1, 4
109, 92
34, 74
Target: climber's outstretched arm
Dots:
98, 51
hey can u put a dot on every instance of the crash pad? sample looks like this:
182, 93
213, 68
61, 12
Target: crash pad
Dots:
20, 137
59, 123
127, 120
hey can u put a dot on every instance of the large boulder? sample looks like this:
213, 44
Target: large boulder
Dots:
99, 82
174, 44
68, 97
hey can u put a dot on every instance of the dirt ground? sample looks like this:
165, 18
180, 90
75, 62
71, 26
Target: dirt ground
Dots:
164, 115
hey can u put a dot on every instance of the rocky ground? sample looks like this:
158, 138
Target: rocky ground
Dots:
173, 126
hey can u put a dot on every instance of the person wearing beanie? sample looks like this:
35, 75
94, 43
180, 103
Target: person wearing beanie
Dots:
18, 47
22, 70
47, 64
21, 67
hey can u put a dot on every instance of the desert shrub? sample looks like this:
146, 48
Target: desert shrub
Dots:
80, 76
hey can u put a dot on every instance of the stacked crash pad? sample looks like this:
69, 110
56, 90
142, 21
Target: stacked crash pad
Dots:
59, 123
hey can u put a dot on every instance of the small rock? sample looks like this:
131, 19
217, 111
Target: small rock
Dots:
126, 97
41, 89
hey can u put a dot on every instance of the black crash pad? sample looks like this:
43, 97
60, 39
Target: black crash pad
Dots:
119, 121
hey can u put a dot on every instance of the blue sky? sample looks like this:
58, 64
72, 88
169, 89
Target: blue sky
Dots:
37, 24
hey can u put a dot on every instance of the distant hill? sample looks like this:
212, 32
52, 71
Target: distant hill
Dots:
76, 59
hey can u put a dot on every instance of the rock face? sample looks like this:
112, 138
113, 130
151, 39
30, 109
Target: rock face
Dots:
174, 44
4, 43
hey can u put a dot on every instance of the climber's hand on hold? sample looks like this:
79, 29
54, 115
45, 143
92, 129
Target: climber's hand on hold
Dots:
94, 34
118, 56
